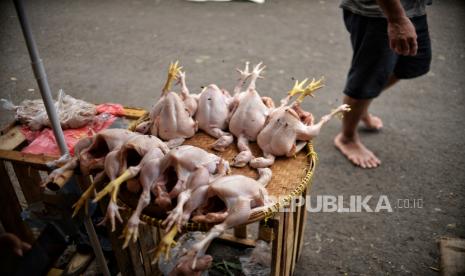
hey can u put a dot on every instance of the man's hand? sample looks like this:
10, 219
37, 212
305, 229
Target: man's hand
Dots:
402, 36
401, 32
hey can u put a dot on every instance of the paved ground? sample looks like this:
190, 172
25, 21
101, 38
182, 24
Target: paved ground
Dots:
118, 51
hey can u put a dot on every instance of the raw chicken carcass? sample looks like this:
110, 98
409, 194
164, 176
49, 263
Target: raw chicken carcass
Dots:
289, 127
73, 113
90, 152
171, 117
242, 196
195, 169
249, 113
213, 115
139, 156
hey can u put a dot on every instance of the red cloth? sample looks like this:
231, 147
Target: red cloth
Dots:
43, 141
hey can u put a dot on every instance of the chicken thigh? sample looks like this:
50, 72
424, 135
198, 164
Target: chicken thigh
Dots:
213, 115
249, 115
289, 127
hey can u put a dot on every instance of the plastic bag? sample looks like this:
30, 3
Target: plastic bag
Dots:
72, 112
257, 261
184, 243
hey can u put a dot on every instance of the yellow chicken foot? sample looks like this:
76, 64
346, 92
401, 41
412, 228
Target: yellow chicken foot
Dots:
165, 245
83, 200
307, 90
173, 72
113, 186
339, 112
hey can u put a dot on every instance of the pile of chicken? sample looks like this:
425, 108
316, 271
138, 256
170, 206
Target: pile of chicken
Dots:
143, 159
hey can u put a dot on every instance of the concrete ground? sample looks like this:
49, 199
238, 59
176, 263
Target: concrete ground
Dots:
118, 51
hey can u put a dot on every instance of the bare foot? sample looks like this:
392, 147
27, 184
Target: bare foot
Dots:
356, 152
372, 122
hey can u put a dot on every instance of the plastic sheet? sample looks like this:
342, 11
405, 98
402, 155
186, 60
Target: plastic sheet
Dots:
43, 142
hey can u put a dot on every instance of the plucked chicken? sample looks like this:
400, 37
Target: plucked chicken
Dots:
289, 127
139, 157
195, 168
249, 113
90, 152
213, 115
171, 118
242, 196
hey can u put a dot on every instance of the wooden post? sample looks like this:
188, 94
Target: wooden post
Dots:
10, 209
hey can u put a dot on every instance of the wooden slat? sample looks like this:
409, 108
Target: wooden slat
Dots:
288, 242
238, 241
10, 209
296, 227
277, 247
146, 244
29, 180
136, 259
301, 228
12, 139
37, 161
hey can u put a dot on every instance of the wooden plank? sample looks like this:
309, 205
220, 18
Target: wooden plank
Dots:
288, 242
12, 139
237, 241
146, 244
37, 161
29, 180
136, 258
452, 256
277, 248
301, 229
10, 209
241, 231
297, 222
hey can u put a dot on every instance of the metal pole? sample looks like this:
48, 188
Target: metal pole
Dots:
41, 76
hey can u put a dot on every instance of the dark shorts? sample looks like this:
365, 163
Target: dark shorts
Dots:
373, 61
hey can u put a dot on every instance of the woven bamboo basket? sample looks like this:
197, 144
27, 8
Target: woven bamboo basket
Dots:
291, 176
